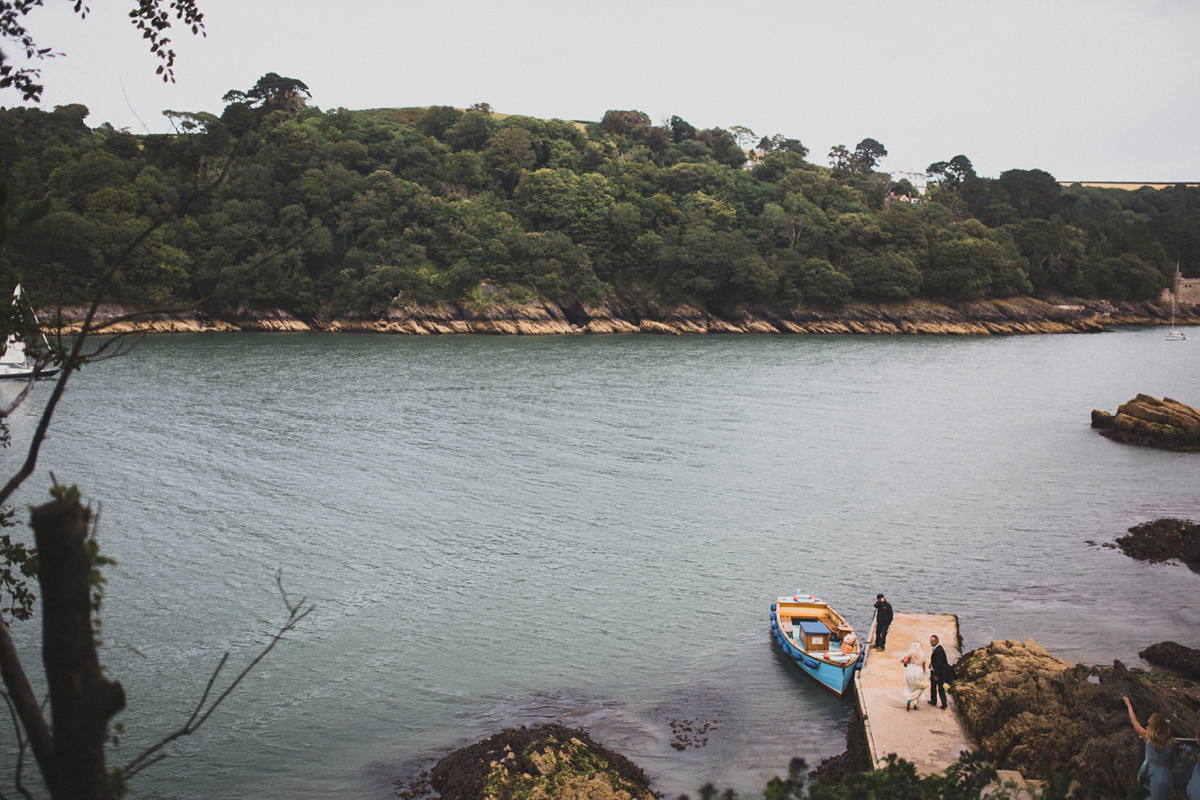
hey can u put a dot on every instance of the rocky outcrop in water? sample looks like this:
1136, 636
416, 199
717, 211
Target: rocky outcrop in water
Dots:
1176, 657
1164, 540
1029, 710
1150, 422
537, 763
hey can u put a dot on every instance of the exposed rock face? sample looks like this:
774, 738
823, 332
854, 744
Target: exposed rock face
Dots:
1164, 540
1174, 656
1029, 710
1150, 422
531, 318
545, 761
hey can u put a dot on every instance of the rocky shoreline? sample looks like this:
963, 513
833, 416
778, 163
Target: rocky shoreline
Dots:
636, 314
1027, 710
1032, 712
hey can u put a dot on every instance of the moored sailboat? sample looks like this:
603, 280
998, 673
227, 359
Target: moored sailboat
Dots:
14, 364
1174, 335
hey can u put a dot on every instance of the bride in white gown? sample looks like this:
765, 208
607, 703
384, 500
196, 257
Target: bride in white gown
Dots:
916, 679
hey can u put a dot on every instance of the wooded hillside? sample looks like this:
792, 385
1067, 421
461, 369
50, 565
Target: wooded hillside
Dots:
357, 210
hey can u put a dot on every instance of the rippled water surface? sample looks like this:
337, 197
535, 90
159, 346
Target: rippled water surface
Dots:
498, 530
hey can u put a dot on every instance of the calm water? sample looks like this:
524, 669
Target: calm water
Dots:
500, 530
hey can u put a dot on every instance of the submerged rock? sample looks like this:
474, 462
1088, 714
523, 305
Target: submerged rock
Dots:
1164, 540
1030, 712
1150, 422
544, 761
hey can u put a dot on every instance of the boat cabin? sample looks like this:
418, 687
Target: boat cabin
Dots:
811, 634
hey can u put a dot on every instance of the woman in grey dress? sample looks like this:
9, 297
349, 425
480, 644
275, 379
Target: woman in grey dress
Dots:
1193, 787
1160, 752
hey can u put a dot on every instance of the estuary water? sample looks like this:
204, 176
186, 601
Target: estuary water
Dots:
508, 530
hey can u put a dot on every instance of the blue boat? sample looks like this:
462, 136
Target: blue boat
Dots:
818, 639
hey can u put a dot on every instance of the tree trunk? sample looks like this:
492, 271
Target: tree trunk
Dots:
82, 700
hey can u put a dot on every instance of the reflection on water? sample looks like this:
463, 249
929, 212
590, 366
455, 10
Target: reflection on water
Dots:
510, 530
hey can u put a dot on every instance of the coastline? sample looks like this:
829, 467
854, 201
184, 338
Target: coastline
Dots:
1012, 316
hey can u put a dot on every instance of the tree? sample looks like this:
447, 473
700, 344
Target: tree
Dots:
471, 132
972, 266
631, 124
888, 276
723, 146
743, 135
823, 284
867, 155
953, 173
782, 144
1055, 252
956, 176
151, 17
1033, 192
272, 92
862, 161
435, 121
681, 130
1125, 277
509, 155
841, 159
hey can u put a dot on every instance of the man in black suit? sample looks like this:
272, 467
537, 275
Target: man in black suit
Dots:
883, 620
939, 672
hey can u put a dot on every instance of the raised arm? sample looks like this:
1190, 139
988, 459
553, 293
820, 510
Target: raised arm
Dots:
1137, 726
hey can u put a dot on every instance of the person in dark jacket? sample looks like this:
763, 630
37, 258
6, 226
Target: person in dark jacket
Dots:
940, 672
883, 620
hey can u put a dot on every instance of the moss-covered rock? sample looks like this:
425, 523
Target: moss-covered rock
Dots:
1176, 657
539, 763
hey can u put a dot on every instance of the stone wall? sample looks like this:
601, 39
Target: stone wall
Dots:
1187, 291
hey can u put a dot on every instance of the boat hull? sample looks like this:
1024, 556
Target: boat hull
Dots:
24, 372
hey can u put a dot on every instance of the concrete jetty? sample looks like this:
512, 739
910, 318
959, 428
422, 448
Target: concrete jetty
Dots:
930, 738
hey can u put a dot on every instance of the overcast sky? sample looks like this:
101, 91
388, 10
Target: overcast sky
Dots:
1085, 89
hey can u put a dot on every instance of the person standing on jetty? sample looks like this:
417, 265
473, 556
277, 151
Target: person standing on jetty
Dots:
883, 620
914, 676
1160, 752
939, 672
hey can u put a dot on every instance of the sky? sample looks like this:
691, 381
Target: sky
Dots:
1088, 90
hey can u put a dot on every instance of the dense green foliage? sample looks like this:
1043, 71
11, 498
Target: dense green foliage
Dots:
356, 210
969, 778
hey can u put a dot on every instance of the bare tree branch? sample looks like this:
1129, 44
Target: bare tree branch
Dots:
23, 701
20, 750
296, 612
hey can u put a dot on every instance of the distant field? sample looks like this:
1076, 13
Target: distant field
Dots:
1131, 185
